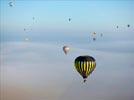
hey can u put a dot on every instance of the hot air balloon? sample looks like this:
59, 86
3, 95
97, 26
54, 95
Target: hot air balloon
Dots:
27, 39
33, 18
85, 65
117, 26
94, 39
94, 36
11, 4
101, 34
128, 25
66, 49
94, 33
69, 19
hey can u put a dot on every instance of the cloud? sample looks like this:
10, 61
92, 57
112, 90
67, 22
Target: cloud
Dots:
38, 71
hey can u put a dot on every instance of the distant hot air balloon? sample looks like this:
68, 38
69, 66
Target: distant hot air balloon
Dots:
69, 19
94, 39
94, 36
85, 65
94, 33
128, 25
27, 39
101, 34
66, 49
33, 18
117, 26
11, 4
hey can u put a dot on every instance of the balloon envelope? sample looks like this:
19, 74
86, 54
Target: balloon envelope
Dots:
69, 19
117, 26
66, 49
128, 25
85, 65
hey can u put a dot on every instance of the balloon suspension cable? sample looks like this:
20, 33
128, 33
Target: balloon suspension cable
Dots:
65, 53
84, 80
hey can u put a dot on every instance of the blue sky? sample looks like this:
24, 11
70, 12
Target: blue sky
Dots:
51, 17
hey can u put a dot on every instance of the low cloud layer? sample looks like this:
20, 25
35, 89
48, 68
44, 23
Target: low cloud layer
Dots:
41, 71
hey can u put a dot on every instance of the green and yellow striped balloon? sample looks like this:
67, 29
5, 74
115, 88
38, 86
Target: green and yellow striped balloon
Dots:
85, 65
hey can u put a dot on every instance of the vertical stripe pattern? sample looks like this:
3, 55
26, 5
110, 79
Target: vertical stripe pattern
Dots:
85, 66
